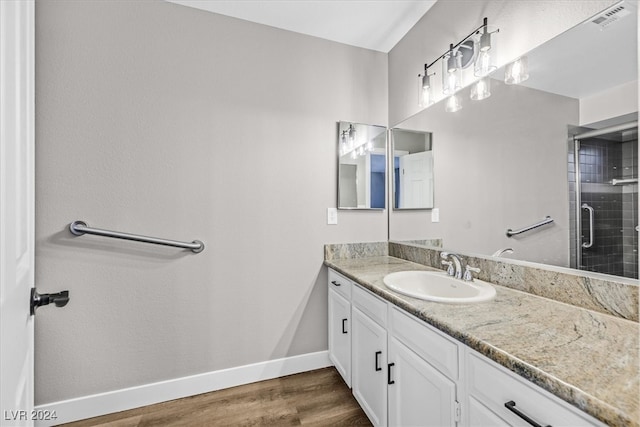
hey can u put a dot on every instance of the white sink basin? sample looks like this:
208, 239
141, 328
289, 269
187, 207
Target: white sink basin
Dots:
440, 287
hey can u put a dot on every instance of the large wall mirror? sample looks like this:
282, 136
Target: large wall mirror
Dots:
412, 169
562, 144
362, 166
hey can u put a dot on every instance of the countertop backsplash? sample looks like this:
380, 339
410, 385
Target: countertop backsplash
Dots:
597, 292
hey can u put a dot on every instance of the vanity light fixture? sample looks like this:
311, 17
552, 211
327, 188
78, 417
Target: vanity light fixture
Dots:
425, 91
517, 71
451, 71
478, 49
486, 53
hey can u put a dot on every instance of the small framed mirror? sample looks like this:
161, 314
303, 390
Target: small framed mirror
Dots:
412, 169
362, 166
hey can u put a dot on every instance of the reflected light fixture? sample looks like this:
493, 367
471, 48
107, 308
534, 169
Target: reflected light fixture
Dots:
517, 71
454, 103
481, 89
352, 145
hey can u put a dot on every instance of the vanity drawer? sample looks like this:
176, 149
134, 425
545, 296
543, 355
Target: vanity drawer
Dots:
494, 385
340, 284
370, 305
441, 352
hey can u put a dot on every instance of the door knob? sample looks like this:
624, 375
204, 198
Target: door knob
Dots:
60, 299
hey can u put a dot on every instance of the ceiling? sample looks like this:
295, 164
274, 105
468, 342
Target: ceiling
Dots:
370, 24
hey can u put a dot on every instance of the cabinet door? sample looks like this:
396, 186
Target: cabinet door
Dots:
481, 416
340, 334
369, 366
419, 395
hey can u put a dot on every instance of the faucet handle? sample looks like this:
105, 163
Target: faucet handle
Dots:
468, 276
450, 269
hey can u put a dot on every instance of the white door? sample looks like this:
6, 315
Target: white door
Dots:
416, 180
369, 366
419, 395
16, 210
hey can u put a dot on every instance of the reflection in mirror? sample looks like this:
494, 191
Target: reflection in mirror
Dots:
524, 153
362, 164
412, 169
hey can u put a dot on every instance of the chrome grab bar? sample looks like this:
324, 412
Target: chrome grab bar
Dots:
79, 228
591, 215
546, 220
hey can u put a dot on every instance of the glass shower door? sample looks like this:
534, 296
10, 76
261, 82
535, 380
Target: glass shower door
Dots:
607, 200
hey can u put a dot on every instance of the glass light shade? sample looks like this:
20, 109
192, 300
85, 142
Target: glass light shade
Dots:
453, 104
517, 71
481, 89
486, 57
451, 73
369, 146
425, 96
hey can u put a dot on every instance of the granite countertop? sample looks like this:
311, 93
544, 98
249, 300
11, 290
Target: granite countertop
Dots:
586, 358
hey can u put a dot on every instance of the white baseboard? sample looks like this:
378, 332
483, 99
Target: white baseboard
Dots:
148, 394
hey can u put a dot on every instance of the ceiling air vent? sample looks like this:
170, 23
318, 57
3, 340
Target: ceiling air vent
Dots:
612, 15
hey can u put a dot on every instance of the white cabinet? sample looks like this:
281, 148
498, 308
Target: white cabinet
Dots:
404, 372
497, 396
340, 324
424, 372
419, 395
369, 355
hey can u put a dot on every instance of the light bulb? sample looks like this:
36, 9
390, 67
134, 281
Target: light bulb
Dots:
483, 65
451, 73
517, 71
424, 91
481, 89
354, 155
453, 104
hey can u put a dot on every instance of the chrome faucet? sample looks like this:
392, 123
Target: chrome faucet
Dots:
457, 261
503, 251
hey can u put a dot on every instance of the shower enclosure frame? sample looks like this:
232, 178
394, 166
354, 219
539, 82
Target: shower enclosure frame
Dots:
578, 184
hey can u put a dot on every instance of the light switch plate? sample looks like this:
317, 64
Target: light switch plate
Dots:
435, 215
332, 216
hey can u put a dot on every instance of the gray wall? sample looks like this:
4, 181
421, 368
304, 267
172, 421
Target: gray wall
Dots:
499, 163
162, 120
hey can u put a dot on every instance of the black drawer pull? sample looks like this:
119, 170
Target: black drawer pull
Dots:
389, 380
335, 283
378, 368
511, 405
344, 321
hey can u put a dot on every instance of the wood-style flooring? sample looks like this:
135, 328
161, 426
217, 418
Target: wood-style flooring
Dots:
315, 398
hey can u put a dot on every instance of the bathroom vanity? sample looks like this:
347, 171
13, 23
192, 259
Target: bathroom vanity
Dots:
519, 359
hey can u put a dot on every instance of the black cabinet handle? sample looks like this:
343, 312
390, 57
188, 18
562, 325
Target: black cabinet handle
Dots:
378, 368
389, 380
344, 321
511, 405
335, 283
